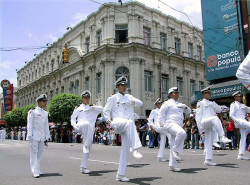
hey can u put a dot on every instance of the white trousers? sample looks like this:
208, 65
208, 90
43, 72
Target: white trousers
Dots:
162, 145
124, 155
135, 141
243, 125
85, 158
86, 130
212, 127
36, 150
177, 136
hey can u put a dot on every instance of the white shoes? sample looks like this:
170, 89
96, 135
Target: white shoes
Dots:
224, 139
35, 175
137, 154
216, 145
85, 149
121, 178
176, 155
161, 159
175, 169
242, 157
209, 163
84, 170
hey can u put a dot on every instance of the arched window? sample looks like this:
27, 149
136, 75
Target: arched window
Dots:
72, 88
122, 71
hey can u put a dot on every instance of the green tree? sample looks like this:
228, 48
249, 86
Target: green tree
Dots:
26, 110
7, 117
17, 117
62, 106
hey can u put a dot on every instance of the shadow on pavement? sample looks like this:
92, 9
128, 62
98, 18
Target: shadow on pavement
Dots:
137, 165
191, 170
227, 165
100, 173
142, 181
220, 154
51, 175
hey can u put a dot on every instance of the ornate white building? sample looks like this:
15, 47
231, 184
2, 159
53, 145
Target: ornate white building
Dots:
153, 50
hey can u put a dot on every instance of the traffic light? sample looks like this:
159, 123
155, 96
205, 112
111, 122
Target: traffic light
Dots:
65, 55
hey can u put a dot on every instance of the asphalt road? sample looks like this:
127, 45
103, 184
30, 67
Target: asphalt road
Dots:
61, 164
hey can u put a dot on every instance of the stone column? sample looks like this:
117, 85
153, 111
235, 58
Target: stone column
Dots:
186, 86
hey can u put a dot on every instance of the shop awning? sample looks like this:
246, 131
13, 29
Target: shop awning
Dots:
220, 90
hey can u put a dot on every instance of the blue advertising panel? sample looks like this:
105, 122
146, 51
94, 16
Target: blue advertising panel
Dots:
221, 36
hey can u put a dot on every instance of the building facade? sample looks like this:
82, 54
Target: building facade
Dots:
153, 50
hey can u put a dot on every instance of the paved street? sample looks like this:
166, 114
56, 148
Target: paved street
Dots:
60, 163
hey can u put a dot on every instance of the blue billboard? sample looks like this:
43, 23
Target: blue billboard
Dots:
221, 37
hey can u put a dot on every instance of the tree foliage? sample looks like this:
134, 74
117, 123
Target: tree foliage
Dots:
8, 119
62, 106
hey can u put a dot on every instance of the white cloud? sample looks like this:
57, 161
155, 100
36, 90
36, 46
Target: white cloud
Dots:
31, 36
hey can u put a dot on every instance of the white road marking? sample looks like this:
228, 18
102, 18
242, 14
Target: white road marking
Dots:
107, 162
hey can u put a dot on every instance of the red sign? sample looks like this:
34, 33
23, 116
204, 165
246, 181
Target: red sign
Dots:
8, 98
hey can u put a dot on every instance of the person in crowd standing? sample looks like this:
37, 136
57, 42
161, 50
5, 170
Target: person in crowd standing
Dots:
194, 135
230, 127
24, 135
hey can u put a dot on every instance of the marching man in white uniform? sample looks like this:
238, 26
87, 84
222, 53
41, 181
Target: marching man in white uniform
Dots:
208, 122
38, 133
171, 120
83, 120
238, 113
154, 123
119, 111
243, 72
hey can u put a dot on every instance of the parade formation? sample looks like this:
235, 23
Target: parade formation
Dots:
173, 111
166, 119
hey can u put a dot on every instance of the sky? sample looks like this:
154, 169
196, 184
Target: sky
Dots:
34, 23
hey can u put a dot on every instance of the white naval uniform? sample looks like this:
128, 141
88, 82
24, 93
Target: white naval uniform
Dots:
119, 107
243, 72
154, 122
83, 120
208, 122
19, 135
12, 135
136, 143
171, 116
37, 133
23, 135
238, 113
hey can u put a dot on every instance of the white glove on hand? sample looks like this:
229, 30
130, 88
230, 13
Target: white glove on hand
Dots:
161, 124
